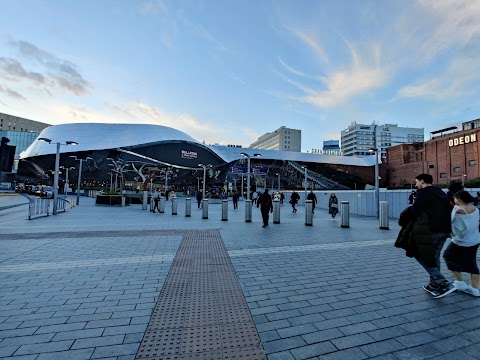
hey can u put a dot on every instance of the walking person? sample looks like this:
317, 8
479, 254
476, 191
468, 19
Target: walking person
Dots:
294, 200
235, 198
312, 197
156, 198
461, 254
266, 206
431, 215
333, 205
254, 197
282, 197
199, 198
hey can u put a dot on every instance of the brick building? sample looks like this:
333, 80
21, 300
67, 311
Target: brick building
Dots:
451, 156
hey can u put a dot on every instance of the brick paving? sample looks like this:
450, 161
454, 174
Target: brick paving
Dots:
84, 284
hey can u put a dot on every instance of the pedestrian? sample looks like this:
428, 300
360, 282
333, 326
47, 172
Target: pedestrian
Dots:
294, 200
235, 198
461, 254
333, 205
199, 198
431, 215
254, 197
312, 197
156, 198
454, 187
411, 197
266, 206
282, 197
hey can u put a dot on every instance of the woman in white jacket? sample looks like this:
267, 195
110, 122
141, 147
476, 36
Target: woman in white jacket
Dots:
461, 255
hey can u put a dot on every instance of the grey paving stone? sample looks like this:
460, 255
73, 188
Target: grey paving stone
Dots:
24, 340
129, 329
419, 352
451, 344
306, 319
322, 335
387, 333
284, 355
60, 328
44, 347
283, 344
309, 351
416, 339
357, 328
348, 354
17, 332
296, 330
107, 323
133, 338
455, 355
98, 341
352, 341
381, 347
8, 350
83, 354
78, 334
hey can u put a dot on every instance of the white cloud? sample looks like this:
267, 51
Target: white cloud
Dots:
312, 43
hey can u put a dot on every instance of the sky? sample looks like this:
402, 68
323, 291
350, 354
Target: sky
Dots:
229, 71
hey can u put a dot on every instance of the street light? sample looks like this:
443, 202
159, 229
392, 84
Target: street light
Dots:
198, 183
204, 176
80, 175
377, 195
57, 166
248, 171
278, 174
306, 184
66, 178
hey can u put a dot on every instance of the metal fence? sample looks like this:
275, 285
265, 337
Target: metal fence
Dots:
39, 207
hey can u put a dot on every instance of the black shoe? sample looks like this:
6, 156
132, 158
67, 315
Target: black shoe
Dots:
431, 289
264, 226
445, 291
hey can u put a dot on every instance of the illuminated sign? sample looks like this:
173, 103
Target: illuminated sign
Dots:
467, 139
189, 154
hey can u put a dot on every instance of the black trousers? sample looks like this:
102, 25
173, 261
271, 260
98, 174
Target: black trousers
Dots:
265, 216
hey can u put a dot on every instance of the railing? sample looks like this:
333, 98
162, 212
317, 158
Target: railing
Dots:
41, 207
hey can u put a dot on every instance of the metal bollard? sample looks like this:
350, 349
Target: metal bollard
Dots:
174, 206
276, 211
308, 213
161, 205
188, 207
151, 203
123, 197
345, 214
383, 215
248, 211
205, 209
224, 210
145, 200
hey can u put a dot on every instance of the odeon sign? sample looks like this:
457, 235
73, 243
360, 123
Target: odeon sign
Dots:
462, 140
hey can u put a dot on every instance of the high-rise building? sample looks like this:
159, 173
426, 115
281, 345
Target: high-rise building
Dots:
357, 139
20, 131
284, 139
331, 146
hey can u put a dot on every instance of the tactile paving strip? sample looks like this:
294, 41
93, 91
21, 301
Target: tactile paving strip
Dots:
201, 312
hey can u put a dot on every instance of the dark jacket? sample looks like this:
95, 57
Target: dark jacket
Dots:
235, 196
294, 198
415, 236
434, 202
313, 197
332, 209
265, 201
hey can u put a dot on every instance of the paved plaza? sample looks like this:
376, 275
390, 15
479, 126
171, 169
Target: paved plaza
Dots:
99, 282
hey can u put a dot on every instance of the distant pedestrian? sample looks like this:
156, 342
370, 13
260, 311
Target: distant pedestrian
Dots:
282, 197
454, 187
312, 197
266, 206
294, 200
333, 205
156, 198
461, 254
199, 198
235, 198
254, 197
411, 197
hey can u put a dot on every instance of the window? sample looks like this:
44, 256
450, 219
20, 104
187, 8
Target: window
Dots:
456, 169
472, 162
431, 166
443, 175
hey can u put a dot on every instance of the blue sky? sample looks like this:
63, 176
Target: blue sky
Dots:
228, 71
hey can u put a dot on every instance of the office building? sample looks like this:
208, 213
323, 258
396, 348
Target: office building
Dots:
357, 139
284, 139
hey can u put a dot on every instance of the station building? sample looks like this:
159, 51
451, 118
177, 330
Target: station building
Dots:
450, 154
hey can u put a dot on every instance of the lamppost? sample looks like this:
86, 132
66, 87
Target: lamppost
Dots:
198, 183
248, 171
306, 184
463, 179
66, 178
57, 166
204, 175
80, 175
278, 174
377, 195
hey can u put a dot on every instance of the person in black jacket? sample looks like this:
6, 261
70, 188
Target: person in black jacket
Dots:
266, 205
312, 197
432, 205
235, 198
294, 200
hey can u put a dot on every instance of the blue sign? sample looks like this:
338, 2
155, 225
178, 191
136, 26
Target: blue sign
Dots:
238, 170
259, 170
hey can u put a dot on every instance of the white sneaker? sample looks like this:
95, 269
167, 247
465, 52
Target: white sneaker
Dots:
472, 291
460, 285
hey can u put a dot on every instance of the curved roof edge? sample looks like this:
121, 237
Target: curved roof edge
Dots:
101, 136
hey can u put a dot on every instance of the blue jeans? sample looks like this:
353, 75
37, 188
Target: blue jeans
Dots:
437, 280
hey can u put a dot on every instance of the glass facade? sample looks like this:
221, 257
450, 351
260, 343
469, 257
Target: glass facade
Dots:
20, 139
